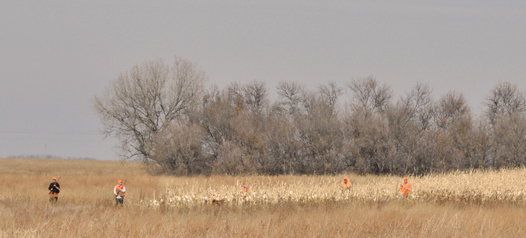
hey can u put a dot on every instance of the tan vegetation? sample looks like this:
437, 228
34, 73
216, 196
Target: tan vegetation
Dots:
466, 188
463, 204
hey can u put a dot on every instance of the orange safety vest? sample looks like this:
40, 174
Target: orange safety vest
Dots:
346, 185
121, 187
404, 190
245, 190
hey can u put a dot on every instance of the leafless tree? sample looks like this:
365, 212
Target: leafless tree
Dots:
453, 118
369, 96
179, 150
404, 134
329, 94
234, 132
505, 99
283, 145
480, 139
320, 132
163, 115
367, 125
256, 96
419, 105
145, 100
452, 109
409, 123
509, 141
290, 96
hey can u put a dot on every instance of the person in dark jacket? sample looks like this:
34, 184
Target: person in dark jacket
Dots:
54, 189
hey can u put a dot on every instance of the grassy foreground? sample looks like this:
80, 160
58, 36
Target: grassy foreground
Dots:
476, 204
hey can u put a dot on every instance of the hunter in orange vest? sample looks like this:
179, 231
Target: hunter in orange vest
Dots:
346, 185
119, 191
245, 189
245, 192
405, 187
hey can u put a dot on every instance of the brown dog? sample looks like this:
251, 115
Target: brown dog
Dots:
218, 202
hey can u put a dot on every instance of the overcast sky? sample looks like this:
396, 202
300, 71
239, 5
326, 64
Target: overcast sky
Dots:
55, 56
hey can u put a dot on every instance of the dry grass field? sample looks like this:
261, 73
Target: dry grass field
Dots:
468, 204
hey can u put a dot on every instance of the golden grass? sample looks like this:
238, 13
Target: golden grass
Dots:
472, 187
472, 204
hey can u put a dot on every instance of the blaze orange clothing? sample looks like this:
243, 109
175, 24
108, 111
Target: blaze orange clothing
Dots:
121, 187
245, 190
405, 188
346, 185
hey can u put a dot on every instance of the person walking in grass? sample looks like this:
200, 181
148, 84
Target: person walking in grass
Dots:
54, 189
119, 191
346, 185
245, 189
405, 187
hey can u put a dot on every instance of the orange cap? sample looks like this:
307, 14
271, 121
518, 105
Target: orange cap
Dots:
54, 178
405, 178
344, 177
245, 186
120, 181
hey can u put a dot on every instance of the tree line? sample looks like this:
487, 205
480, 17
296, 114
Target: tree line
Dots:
170, 118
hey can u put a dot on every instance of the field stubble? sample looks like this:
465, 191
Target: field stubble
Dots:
474, 204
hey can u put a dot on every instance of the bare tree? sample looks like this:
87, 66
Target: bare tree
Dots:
161, 114
369, 96
404, 134
329, 94
509, 141
452, 108
369, 143
453, 118
179, 150
235, 140
504, 100
320, 133
282, 144
145, 100
256, 96
419, 105
480, 137
367, 126
409, 122
290, 96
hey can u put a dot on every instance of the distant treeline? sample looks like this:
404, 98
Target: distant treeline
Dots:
47, 157
169, 118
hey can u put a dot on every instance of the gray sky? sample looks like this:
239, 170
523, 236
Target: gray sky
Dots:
55, 56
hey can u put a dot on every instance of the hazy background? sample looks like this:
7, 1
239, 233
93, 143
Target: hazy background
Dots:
55, 56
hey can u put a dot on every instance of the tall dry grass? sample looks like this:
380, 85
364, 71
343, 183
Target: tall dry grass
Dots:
157, 206
471, 187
